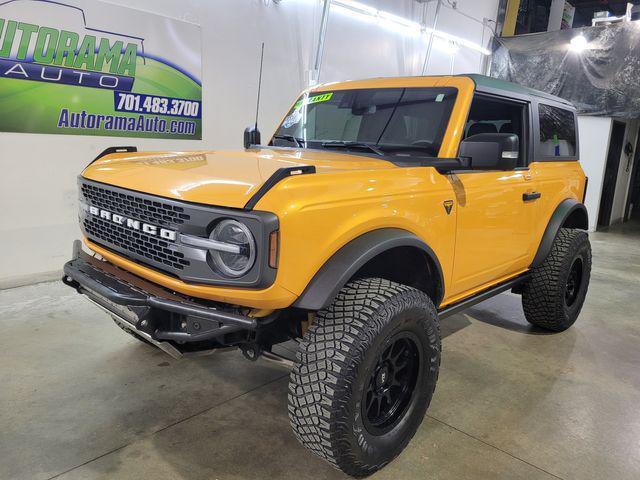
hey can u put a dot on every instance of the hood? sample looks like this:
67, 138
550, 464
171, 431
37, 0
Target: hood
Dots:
223, 178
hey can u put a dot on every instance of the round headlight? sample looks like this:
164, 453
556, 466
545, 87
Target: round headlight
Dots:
242, 254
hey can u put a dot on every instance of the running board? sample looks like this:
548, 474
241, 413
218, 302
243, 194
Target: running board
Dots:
482, 296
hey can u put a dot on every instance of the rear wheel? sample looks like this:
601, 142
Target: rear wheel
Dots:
553, 297
365, 374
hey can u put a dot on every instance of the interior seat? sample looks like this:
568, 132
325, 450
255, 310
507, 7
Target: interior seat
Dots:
481, 127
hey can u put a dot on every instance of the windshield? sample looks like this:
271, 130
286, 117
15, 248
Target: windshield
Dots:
389, 121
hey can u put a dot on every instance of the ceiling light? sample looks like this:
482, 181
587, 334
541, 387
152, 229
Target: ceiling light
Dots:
401, 24
578, 44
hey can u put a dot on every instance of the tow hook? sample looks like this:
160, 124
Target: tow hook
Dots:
253, 352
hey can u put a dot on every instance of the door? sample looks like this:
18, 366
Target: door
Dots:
611, 174
494, 215
633, 195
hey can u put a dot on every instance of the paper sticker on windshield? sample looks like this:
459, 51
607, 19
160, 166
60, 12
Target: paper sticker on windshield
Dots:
292, 119
440, 97
296, 115
325, 97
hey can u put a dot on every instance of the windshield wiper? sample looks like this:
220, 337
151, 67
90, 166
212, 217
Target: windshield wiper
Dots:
290, 138
342, 144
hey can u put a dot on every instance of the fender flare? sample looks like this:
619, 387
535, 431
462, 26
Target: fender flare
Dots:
568, 209
344, 264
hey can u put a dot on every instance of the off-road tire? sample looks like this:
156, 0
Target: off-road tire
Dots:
544, 295
335, 366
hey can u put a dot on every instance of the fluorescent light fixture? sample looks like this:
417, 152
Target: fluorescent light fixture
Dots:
357, 7
578, 44
401, 24
365, 17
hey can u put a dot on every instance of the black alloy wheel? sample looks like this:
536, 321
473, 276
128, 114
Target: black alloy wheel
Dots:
574, 282
392, 384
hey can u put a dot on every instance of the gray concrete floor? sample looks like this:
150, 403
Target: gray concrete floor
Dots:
79, 399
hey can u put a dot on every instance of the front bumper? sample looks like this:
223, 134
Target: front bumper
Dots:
173, 322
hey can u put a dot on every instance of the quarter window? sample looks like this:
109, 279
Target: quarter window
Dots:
557, 132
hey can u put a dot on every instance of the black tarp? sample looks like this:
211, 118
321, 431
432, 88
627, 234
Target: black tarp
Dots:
603, 79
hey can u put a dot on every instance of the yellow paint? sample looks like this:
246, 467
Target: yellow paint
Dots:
273, 297
510, 18
491, 234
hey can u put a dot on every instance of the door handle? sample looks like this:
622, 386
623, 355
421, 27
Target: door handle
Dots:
528, 197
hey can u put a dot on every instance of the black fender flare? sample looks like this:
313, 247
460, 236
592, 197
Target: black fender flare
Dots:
344, 264
570, 213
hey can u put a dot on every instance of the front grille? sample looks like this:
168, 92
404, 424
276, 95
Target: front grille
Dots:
152, 250
146, 246
142, 245
131, 205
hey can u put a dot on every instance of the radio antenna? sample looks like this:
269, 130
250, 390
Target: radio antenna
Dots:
259, 85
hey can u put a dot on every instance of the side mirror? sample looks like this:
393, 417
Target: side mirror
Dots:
251, 136
491, 151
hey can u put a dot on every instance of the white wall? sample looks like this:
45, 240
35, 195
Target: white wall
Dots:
38, 181
594, 133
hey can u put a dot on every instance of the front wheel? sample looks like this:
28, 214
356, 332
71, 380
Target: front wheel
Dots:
552, 298
365, 374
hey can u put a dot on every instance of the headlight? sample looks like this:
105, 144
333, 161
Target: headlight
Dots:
238, 259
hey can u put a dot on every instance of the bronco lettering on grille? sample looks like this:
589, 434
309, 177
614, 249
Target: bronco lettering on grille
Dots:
130, 222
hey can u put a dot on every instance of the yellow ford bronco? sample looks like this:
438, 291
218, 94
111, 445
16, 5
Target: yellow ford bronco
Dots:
377, 208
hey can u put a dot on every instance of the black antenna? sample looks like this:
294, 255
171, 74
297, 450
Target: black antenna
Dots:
252, 134
259, 84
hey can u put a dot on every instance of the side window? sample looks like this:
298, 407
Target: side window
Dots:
557, 132
491, 115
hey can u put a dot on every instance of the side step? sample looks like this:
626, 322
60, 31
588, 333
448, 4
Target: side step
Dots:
482, 296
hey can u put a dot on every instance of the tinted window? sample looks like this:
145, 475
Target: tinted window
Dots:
557, 132
489, 115
407, 121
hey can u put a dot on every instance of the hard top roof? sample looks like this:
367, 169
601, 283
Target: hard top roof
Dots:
482, 83
489, 83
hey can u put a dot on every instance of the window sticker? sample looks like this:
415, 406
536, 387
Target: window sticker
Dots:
325, 97
296, 115
292, 119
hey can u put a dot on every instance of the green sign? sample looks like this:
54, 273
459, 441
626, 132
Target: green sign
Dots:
61, 74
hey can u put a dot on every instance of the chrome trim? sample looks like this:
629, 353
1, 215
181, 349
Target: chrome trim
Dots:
124, 323
208, 244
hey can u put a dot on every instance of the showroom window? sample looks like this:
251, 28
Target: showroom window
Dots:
557, 131
492, 115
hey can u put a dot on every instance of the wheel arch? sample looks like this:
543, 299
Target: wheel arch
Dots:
568, 214
410, 259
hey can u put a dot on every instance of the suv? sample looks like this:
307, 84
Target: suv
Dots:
378, 208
